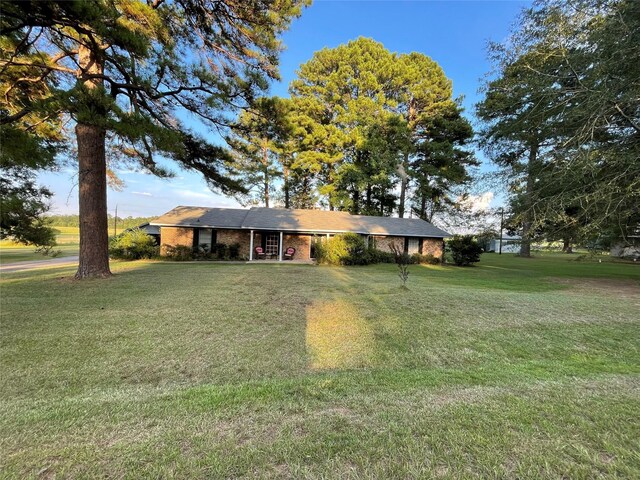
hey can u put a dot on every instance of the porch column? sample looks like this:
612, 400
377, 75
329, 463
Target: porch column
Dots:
280, 253
251, 246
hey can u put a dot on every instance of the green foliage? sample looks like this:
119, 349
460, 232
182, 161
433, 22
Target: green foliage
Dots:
427, 259
259, 141
152, 57
179, 253
561, 118
380, 256
464, 250
348, 249
234, 251
217, 251
366, 118
22, 208
128, 71
220, 251
133, 244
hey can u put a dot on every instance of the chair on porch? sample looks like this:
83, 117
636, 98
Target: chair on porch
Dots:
289, 253
260, 255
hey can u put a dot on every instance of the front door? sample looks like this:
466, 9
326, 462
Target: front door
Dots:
271, 247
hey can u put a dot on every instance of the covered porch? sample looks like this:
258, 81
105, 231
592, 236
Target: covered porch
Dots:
279, 246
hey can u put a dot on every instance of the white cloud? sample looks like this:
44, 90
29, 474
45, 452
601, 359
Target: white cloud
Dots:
480, 203
196, 195
146, 194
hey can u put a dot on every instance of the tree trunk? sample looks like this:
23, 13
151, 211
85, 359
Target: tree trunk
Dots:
285, 174
566, 247
527, 217
423, 207
368, 198
265, 164
355, 208
92, 181
404, 181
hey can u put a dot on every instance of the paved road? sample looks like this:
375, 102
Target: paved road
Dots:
34, 264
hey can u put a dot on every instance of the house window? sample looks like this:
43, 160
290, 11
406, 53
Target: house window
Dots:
271, 244
413, 246
205, 237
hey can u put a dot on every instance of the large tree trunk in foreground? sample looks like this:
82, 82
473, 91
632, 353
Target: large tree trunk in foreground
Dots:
94, 237
527, 219
92, 180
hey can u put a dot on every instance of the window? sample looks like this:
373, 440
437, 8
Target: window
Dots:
413, 246
205, 237
271, 244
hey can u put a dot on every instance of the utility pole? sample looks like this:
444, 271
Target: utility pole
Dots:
115, 221
501, 227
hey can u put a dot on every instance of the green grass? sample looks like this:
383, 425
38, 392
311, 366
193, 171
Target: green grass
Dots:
516, 368
68, 244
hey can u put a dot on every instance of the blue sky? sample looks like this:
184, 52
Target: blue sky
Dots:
453, 33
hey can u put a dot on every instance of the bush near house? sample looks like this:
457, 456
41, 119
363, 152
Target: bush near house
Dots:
217, 251
133, 244
418, 259
350, 249
179, 253
464, 250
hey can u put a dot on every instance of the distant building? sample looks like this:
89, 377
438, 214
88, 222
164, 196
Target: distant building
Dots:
510, 244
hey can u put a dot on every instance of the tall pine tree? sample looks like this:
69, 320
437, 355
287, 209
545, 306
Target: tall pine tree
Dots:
125, 69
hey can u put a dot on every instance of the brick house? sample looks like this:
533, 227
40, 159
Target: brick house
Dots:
276, 229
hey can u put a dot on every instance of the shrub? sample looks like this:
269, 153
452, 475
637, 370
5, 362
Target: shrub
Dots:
132, 244
332, 251
428, 259
379, 256
348, 249
356, 250
220, 251
179, 253
464, 250
234, 251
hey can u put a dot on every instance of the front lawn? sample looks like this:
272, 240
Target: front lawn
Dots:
516, 368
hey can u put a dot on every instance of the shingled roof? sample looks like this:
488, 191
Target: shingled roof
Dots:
294, 220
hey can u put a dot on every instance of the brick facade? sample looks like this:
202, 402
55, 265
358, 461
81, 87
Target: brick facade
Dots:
302, 244
384, 243
433, 246
430, 246
240, 237
174, 236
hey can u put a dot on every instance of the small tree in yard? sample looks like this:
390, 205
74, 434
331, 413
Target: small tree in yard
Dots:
465, 250
403, 260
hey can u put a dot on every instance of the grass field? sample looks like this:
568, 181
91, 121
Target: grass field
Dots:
516, 368
68, 239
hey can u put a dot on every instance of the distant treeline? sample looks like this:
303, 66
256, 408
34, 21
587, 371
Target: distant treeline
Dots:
74, 221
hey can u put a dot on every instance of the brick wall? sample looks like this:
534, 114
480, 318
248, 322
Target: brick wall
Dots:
175, 236
432, 246
384, 243
240, 237
302, 244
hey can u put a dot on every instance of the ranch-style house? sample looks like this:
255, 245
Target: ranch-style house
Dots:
272, 232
